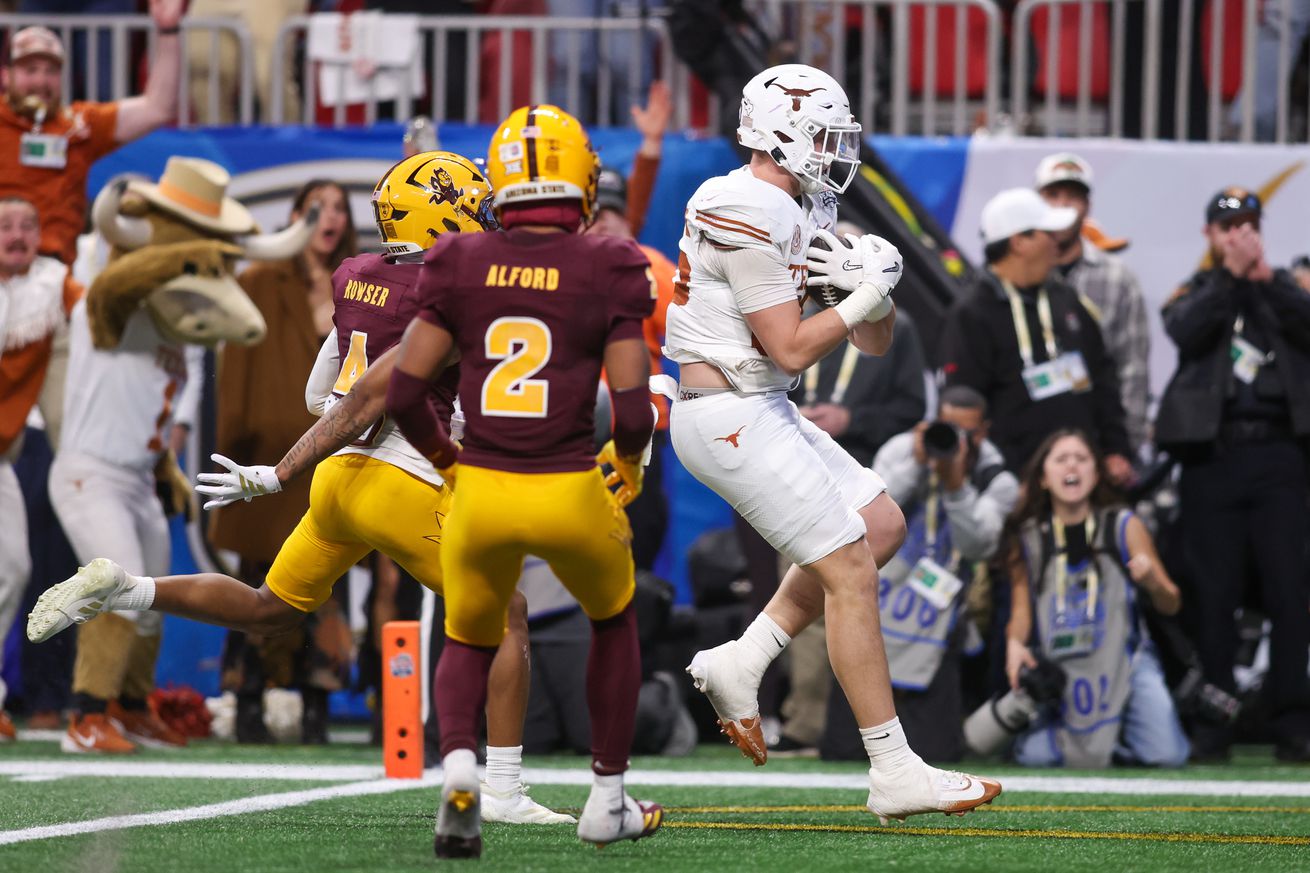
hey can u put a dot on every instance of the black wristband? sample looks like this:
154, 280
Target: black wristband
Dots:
169, 31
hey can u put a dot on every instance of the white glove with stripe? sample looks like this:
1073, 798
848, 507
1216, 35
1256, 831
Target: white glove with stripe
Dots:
239, 483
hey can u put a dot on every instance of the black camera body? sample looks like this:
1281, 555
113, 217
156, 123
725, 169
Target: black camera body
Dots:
1198, 699
941, 440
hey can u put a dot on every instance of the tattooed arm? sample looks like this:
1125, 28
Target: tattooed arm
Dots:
343, 422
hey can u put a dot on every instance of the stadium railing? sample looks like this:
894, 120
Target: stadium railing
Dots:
932, 51
1147, 68
934, 64
1081, 58
435, 34
82, 36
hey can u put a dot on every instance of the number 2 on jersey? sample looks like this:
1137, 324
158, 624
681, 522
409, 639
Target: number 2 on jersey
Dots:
523, 347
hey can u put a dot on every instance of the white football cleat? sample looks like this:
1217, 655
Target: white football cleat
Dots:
928, 790
77, 599
603, 821
459, 823
733, 692
515, 807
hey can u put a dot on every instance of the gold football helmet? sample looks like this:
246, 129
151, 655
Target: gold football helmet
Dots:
542, 153
428, 194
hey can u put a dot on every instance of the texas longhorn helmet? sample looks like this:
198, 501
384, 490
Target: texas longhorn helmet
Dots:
542, 153
428, 194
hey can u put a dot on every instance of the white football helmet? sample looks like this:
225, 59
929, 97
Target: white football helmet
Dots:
800, 117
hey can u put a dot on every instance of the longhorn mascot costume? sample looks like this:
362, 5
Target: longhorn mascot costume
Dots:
168, 289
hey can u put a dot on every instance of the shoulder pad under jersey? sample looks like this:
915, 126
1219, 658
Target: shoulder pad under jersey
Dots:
741, 211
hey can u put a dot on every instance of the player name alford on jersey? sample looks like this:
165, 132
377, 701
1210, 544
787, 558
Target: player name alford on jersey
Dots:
366, 292
533, 278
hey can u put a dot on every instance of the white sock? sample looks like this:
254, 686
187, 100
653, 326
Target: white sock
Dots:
762, 642
607, 787
505, 768
887, 748
140, 594
461, 764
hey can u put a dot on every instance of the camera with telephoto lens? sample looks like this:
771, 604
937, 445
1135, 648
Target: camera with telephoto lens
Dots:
1208, 703
941, 440
1001, 718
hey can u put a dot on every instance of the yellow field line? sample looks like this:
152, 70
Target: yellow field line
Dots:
1055, 834
1007, 807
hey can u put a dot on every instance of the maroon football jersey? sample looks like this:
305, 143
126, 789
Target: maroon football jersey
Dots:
531, 314
375, 301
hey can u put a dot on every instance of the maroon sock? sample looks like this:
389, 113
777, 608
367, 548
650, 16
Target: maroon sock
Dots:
460, 691
613, 680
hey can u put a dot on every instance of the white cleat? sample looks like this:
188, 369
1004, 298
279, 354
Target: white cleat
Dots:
603, 821
929, 790
459, 823
733, 692
77, 599
515, 807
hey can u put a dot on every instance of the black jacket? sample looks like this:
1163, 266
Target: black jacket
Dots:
1199, 319
886, 394
980, 349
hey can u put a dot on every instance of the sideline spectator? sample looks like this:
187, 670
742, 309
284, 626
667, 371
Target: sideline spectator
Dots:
1109, 289
261, 411
651, 120
952, 485
1237, 415
48, 147
36, 295
263, 19
649, 513
104, 66
1026, 343
1301, 271
1077, 559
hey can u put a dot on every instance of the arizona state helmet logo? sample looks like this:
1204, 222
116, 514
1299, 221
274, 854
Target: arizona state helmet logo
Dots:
443, 188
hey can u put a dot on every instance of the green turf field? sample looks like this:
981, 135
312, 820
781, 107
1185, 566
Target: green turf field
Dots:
218, 807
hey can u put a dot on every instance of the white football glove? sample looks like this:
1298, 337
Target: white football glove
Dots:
866, 267
239, 483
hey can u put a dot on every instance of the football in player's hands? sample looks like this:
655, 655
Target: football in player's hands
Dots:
824, 293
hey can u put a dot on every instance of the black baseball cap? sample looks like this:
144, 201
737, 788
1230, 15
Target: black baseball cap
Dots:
611, 191
1232, 203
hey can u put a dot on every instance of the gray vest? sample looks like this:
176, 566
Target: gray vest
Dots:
1090, 640
916, 633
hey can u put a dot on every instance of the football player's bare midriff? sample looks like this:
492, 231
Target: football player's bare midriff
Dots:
701, 375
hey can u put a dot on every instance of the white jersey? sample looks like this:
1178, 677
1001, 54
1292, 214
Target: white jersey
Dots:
717, 287
119, 403
388, 444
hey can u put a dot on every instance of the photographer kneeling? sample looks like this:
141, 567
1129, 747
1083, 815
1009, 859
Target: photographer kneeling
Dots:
1077, 558
953, 488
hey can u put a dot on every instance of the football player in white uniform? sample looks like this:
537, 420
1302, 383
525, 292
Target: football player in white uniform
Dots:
750, 250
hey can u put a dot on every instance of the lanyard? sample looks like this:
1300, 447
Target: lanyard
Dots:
1021, 323
848, 361
931, 520
1062, 565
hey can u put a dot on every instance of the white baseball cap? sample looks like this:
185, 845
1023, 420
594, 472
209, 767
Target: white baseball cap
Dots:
1063, 167
1017, 210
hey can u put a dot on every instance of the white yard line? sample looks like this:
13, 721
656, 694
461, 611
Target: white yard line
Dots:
745, 778
39, 770
262, 803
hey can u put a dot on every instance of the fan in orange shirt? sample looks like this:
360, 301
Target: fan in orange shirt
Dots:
47, 148
649, 513
36, 295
